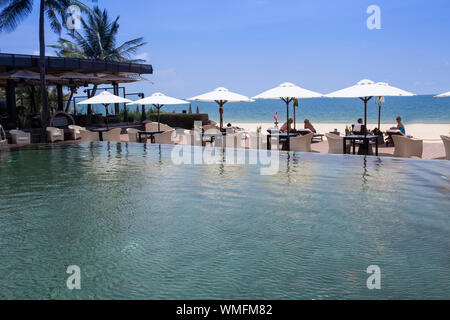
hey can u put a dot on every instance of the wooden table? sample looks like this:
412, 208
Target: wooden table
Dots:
282, 136
148, 133
212, 136
365, 139
100, 132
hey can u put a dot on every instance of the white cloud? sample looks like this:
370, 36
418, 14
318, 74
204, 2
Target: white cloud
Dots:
143, 56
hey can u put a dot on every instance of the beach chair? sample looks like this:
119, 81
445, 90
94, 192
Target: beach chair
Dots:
112, 135
336, 144
446, 140
3, 140
211, 135
188, 138
235, 140
301, 143
358, 129
89, 136
20, 137
210, 127
229, 130
153, 126
75, 132
55, 134
391, 133
165, 138
407, 147
304, 132
132, 134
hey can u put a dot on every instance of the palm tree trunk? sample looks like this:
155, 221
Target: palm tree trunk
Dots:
45, 114
94, 91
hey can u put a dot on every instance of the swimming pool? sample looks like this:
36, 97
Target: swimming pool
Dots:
139, 226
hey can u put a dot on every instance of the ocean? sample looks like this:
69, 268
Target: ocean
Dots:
417, 109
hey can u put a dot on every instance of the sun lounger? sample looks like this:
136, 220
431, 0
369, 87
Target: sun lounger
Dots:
301, 143
89, 136
446, 140
75, 132
20, 137
336, 144
112, 135
273, 130
304, 132
407, 147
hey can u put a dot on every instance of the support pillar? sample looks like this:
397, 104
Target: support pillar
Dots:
59, 92
11, 106
116, 105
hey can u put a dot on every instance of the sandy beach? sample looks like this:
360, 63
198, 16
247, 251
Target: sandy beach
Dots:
427, 132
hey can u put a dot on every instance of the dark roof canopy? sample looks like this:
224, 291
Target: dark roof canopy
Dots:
10, 62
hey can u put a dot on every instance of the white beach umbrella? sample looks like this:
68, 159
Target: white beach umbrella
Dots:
443, 95
389, 91
158, 100
367, 89
105, 98
288, 92
221, 96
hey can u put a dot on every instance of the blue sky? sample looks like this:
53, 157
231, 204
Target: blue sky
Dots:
252, 45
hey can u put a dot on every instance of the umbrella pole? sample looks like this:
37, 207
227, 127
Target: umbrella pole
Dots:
159, 124
365, 117
106, 107
295, 119
366, 142
143, 116
379, 116
287, 114
221, 103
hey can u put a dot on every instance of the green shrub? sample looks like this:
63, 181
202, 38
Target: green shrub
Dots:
180, 120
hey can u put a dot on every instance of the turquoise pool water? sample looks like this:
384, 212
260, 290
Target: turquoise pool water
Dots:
139, 226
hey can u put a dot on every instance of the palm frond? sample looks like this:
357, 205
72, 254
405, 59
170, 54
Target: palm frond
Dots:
13, 13
97, 39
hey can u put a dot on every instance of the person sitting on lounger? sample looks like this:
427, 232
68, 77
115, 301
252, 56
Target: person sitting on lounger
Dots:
230, 126
287, 125
358, 128
309, 126
399, 126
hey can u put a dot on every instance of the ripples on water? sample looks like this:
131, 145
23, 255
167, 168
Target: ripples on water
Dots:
141, 227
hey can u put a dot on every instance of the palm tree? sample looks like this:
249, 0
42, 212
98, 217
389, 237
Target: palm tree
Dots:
97, 41
14, 11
